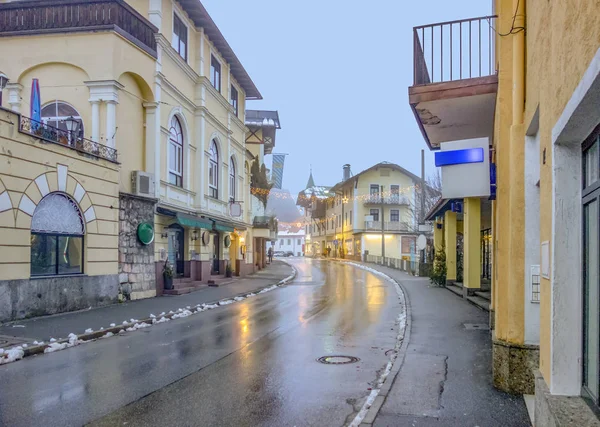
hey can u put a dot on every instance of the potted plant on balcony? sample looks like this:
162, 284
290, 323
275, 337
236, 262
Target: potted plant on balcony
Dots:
168, 275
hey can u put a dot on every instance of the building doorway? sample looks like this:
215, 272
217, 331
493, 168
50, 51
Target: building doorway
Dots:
216, 265
175, 248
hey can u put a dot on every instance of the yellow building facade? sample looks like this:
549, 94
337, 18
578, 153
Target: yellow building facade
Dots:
533, 91
157, 82
349, 219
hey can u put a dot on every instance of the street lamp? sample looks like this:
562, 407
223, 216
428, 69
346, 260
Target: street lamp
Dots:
72, 124
344, 201
3, 82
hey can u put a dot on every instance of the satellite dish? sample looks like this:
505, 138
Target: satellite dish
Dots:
421, 242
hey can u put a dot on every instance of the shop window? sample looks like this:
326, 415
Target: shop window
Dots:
56, 237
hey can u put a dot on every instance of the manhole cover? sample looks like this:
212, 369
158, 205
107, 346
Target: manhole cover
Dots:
480, 326
337, 360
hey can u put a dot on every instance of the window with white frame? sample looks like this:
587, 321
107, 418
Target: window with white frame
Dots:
375, 214
176, 153
232, 180
213, 171
394, 215
215, 73
179, 40
233, 99
56, 113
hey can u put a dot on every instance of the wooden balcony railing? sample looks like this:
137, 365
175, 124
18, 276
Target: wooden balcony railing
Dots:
39, 17
454, 50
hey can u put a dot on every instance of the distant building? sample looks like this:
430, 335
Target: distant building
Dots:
292, 240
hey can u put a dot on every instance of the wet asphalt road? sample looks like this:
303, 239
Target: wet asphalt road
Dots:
245, 364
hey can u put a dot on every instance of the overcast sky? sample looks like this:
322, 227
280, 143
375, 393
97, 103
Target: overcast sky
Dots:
338, 72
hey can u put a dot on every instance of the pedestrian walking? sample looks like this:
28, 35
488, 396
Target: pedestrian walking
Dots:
270, 254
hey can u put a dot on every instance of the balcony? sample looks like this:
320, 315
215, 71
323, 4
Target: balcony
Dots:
455, 82
45, 17
395, 199
67, 139
388, 226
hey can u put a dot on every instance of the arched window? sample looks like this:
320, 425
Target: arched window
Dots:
232, 180
176, 153
213, 171
56, 112
56, 237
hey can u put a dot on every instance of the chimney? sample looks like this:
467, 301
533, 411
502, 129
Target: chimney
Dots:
346, 172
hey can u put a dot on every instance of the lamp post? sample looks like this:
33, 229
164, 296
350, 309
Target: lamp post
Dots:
382, 227
3, 82
72, 124
344, 201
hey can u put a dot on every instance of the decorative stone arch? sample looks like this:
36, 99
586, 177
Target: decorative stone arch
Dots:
56, 182
143, 86
43, 64
6, 207
185, 128
217, 138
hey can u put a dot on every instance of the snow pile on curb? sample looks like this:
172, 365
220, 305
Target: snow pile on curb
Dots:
11, 355
401, 322
18, 352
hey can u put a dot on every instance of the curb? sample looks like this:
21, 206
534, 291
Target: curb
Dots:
150, 321
372, 409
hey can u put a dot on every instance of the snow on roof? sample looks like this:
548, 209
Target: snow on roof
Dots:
299, 233
320, 192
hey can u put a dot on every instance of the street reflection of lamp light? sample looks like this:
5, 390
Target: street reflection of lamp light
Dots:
3, 82
72, 124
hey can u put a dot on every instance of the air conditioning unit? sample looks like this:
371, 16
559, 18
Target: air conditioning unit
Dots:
142, 183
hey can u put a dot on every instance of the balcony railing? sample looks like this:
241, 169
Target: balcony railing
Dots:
67, 139
387, 226
394, 199
454, 50
39, 17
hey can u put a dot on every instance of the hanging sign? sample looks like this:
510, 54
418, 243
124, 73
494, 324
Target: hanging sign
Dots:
145, 233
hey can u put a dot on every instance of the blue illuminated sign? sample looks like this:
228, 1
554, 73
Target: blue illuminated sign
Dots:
459, 157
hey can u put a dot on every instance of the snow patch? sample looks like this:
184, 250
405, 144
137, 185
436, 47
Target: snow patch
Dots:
184, 313
239, 298
52, 339
88, 331
11, 355
112, 325
108, 335
226, 302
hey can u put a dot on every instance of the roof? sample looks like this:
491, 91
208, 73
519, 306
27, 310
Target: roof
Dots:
390, 165
196, 11
311, 181
263, 118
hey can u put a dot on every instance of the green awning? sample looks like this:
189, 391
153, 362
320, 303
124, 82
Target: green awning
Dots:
221, 226
194, 221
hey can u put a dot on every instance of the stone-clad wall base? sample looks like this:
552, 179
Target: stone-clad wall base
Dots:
513, 367
242, 268
137, 276
560, 411
26, 298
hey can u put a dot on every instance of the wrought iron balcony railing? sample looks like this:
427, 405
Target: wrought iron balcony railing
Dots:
454, 50
67, 139
394, 199
44, 16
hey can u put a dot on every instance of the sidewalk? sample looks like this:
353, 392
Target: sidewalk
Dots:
445, 378
61, 325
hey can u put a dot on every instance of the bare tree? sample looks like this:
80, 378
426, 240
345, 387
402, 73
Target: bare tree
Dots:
431, 193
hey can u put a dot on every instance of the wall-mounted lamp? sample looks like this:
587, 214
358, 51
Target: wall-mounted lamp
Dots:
164, 234
194, 235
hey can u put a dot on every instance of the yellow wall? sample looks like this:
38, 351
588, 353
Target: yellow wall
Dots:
556, 61
24, 158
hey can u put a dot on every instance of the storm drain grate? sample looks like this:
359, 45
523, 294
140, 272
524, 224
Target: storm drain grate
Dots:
337, 360
480, 326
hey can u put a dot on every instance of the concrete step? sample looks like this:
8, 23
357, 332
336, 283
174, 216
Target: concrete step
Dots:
480, 302
484, 294
187, 284
456, 289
